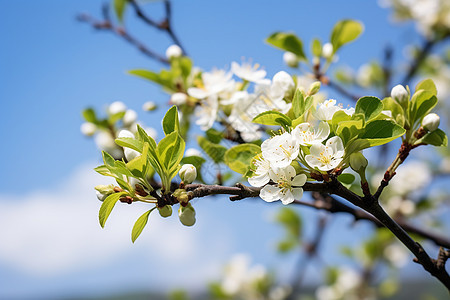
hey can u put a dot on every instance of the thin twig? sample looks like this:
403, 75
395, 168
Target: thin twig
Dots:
121, 32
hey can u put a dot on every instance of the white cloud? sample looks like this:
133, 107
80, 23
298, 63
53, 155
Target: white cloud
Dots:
56, 232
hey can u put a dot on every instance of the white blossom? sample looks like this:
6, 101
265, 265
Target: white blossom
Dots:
248, 72
105, 141
326, 157
261, 174
129, 153
192, 152
206, 112
327, 50
214, 83
399, 94
284, 190
307, 135
149, 106
326, 110
280, 150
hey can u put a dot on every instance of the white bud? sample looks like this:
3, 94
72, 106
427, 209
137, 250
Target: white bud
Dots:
290, 59
129, 118
283, 81
188, 173
116, 107
88, 128
314, 88
431, 122
173, 51
103, 191
400, 94
327, 50
192, 152
187, 215
178, 98
358, 162
149, 106
125, 133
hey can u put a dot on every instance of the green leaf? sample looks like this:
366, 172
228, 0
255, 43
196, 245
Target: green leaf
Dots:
436, 138
395, 108
89, 115
422, 102
346, 178
238, 158
116, 117
214, 135
170, 121
298, 103
140, 224
272, 118
107, 207
103, 170
119, 8
287, 42
165, 78
290, 220
215, 151
339, 116
380, 132
370, 107
316, 47
170, 150
131, 143
287, 245
344, 32
427, 85
138, 165
108, 159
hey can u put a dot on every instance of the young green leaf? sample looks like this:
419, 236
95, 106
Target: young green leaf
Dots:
131, 143
119, 8
108, 159
346, 178
344, 32
427, 85
140, 224
436, 138
287, 42
291, 221
107, 207
298, 103
238, 158
215, 151
370, 107
380, 132
316, 48
170, 121
422, 102
89, 115
272, 118
138, 166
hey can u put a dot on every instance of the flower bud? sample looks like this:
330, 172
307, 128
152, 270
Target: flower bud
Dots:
165, 211
103, 191
149, 106
431, 122
290, 59
116, 107
400, 94
173, 51
358, 162
187, 215
88, 128
129, 118
178, 98
192, 152
188, 173
327, 50
314, 88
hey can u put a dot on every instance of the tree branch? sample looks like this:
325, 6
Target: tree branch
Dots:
165, 25
121, 32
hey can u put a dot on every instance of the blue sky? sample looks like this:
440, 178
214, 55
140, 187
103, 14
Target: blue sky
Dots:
53, 66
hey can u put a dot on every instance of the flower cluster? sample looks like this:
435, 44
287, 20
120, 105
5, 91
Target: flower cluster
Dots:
308, 147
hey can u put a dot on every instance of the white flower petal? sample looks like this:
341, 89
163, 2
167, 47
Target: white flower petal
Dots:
259, 180
297, 193
299, 180
269, 193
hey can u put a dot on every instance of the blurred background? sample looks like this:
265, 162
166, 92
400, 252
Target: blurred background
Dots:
53, 66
